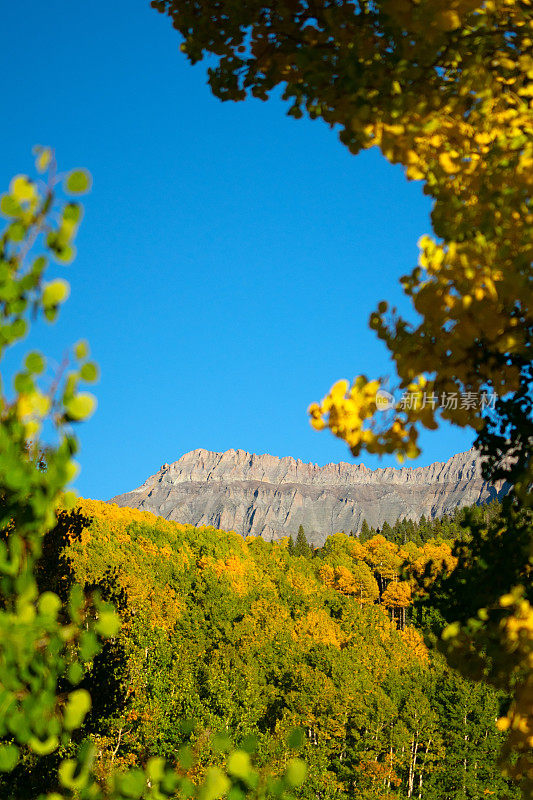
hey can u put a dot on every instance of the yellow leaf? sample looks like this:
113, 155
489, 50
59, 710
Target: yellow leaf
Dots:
447, 164
447, 20
22, 189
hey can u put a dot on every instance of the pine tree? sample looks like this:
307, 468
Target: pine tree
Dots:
290, 546
386, 531
365, 533
302, 548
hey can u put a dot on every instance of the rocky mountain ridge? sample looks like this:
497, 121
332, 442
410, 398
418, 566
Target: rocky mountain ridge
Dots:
263, 495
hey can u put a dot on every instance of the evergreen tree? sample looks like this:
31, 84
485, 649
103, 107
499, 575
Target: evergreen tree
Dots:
302, 548
290, 546
365, 534
386, 531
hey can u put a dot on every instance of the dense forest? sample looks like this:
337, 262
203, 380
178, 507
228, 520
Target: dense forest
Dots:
250, 640
144, 660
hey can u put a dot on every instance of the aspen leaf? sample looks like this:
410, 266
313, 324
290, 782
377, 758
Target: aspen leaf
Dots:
296, 772
9, 756
239, 764
447, 164
81, 349
9, 206
55, 292
49, 604
78, 181
75, 673
44, 157
81, 406
44, 747
22, 189
132, 783
35, 363
108, 624
215, 784
89, 372
450, 631
155, 769
78, 704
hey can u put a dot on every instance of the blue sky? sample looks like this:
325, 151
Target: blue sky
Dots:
229, 257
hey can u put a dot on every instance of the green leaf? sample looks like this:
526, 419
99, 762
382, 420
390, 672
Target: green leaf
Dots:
239, 764
249, 744
68, 776
78, 705
9, 756
65, 254
80, 406
18, 724
89, 372
81, 349
19, 328
75, 673
155, 769
75, 602
23, 383
44, 157
17, 231
132, 783
69, 499
236, 794
215, 784
78, 181
108, 624
39, 265
185, 757
72, 212
187, 788
35, 363
89, 646
276, 787
55, 292
186, 726
44, 748
49, 604
9, 206
296, 772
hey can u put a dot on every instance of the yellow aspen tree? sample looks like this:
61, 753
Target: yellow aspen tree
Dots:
445, 89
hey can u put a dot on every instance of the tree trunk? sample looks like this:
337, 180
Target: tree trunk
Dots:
412, 766
420, 777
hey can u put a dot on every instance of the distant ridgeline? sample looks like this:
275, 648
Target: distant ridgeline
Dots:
262, 495
255, 638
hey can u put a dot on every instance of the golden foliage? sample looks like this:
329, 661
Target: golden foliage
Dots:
397, 595
238, 573
415, 642
320, 628
517, 640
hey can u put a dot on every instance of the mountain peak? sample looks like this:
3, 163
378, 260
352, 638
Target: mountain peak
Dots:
270, 496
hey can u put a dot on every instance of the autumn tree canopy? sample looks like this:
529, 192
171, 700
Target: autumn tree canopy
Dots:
446, 90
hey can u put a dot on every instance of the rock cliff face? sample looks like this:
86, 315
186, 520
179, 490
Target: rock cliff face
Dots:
270, 497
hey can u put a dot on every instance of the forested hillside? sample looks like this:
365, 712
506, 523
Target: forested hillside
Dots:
252, 639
